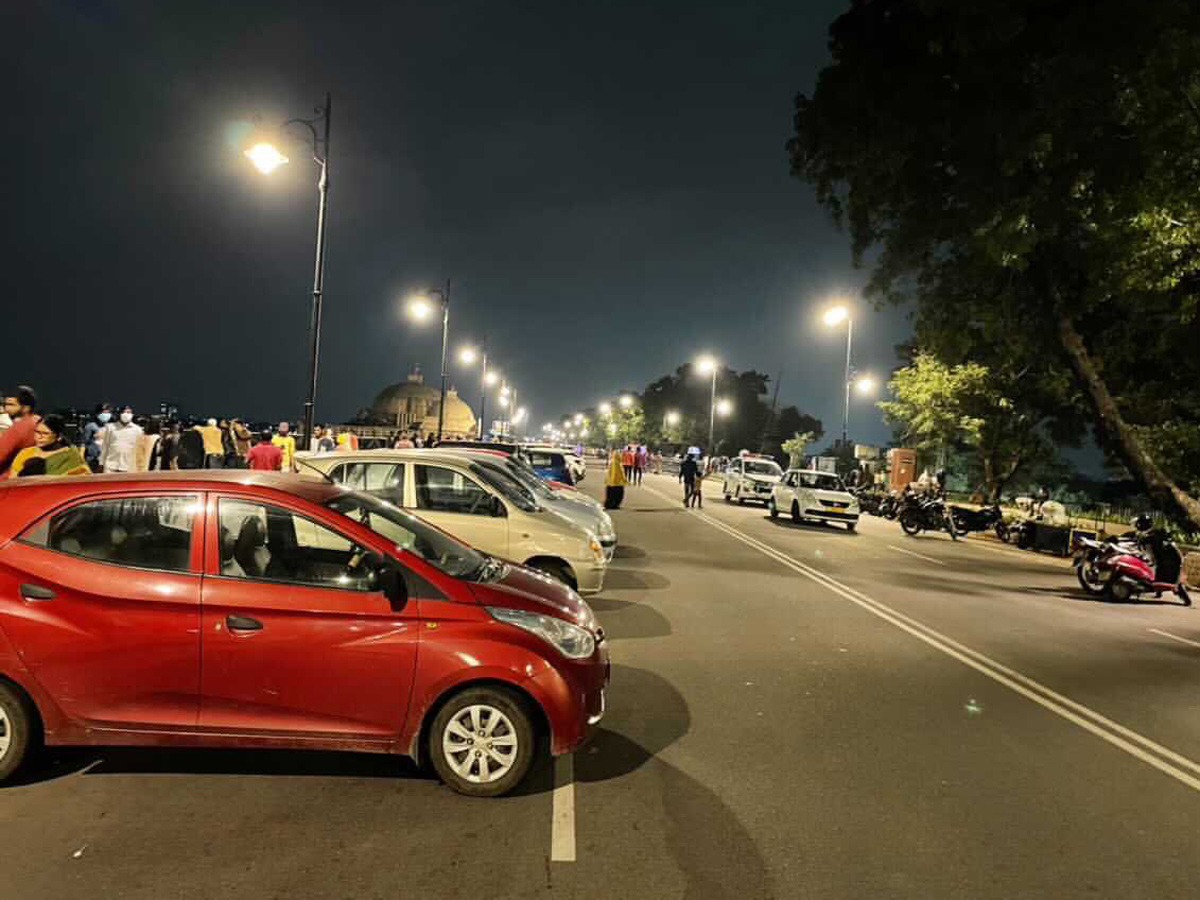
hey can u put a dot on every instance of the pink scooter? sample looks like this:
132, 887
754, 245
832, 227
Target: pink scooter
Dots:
1132, 575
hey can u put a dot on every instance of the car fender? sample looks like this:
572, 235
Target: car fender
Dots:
12, 668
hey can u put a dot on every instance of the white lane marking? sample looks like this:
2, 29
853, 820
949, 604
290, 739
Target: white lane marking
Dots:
1167, 761
562, 826
983, 544
917, 555
1175, 637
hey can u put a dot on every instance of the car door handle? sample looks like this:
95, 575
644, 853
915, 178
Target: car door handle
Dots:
36, 592
242, 623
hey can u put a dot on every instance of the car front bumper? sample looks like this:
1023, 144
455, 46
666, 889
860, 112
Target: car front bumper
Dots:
574, 698
589, 577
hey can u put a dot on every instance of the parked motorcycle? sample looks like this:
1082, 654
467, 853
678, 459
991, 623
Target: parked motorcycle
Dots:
1093, 560
925, 514
868, 501
968, 520
1156, 571
889, 507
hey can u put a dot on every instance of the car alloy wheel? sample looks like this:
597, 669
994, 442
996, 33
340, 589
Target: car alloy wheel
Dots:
6, 738
482, 742
16, 724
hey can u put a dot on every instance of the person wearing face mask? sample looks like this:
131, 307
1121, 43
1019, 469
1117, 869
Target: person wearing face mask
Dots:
92, 432
119, 446
51, 454
20, 406
287, 446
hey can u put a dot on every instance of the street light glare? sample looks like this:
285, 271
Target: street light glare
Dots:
466, 355
578, 418
503, 400
705, 365
265, 158
420, 308
836, 315
491, 378
672, 418
724, 407
605, 409
626, 401
865, 385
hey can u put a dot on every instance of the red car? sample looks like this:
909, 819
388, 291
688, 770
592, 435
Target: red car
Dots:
230, 608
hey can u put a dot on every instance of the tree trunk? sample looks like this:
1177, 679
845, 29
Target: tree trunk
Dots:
1124, 441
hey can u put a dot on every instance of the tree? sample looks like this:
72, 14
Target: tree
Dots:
795, 445
1027, 172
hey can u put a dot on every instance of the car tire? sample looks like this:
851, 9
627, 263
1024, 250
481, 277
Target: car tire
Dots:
737, 495
796, 517
728, 499
557, 571
17, 734
492, 711
772, 509
851, 526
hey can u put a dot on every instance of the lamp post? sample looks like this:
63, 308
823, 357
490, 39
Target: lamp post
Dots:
833, 317
420, 308
267, 159
705, 365
467, 356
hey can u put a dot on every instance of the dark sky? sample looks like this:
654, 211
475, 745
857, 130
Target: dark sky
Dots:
605, 183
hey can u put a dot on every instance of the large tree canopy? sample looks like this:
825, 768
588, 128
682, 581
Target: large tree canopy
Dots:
1028, 174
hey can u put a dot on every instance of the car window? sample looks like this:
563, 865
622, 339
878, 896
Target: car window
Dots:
447, 490
762, 467
145, 532
262, 541
370, 476
504, 484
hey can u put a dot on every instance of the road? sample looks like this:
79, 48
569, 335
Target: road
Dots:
796, 711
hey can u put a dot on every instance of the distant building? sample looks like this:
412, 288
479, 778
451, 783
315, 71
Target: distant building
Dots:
413, 405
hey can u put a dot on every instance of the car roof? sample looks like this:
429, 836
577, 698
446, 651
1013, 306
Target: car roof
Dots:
431, 453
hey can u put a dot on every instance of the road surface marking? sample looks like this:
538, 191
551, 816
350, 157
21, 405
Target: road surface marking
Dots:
983, 544
1176, 637
917, 555
1136, 745
562, 830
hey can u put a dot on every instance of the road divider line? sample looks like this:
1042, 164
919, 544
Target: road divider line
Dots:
562, 825
1131, 742
917, 555
1175, 637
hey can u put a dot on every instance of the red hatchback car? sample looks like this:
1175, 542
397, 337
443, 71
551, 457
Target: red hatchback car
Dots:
260, 610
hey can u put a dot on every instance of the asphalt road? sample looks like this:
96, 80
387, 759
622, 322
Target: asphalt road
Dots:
795, 711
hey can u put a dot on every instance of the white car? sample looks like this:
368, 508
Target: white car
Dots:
809, 494
751, 478
467, 500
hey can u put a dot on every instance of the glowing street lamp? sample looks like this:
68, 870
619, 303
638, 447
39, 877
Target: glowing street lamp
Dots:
467, 355
672, 418
420, 307
864, 384
724, 407
578, 418
706, 365
606, 409
625, 401
266, 158
835, 316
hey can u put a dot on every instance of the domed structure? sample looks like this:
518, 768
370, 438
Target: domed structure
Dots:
412, 404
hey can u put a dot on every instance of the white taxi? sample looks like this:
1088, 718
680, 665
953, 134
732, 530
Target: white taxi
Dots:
810, 494
751, 477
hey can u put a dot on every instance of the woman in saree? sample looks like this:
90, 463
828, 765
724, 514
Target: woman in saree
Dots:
51, 454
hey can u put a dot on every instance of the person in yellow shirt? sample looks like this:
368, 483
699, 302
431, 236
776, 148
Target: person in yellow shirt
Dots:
287, 446
214, 453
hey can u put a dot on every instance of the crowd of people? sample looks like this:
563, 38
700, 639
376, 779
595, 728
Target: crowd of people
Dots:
627, 465
115, 439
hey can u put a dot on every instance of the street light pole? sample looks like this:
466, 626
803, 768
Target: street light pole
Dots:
846, 413
445, 336
483, 389
712, 412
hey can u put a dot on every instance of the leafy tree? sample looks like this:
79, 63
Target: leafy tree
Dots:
795, 445
1026, 174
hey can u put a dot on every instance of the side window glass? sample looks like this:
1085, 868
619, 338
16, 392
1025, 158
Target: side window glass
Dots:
445, 490
145, 532
386, 478
352, 475
262, 541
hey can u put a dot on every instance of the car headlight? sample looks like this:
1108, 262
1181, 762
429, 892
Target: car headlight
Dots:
606, 528
596, 548
570, 640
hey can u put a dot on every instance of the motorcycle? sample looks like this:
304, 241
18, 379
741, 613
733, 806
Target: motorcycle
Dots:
968, 520
1157, 572
889, 507
1093, 560
868, 501
925, 514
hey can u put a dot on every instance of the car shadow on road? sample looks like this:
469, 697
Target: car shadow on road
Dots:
1075, 593
629, 619
622, 579
820, 527
627, 551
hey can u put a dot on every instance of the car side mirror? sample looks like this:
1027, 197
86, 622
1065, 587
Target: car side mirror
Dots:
390, 580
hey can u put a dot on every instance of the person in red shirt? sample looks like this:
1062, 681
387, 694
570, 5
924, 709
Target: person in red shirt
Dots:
264, 455
21, 406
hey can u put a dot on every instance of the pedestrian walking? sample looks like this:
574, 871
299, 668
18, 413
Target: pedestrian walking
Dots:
240, 438
147, 445
696, 497
214, 449
287, 446
119, 445
265, 455
89, 440
50, 454
627, 461
640, 455
190, 453
21, 406
614, 482
168, 448
688, 471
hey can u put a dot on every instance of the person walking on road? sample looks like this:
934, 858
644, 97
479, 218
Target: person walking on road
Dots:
241, 438
51, 454
287, 446
265, 455
640, 457
119, 446
696, 497
92, 432
688, 472
614, 482
214, 451
627, 456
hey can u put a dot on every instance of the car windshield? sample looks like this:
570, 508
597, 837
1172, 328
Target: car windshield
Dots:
523, 477
409, 533
821, 480
511, 490
762, 467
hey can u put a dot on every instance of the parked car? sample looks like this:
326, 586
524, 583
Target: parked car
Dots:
750, 477
586, 515
458, 495
810, 494
231, 608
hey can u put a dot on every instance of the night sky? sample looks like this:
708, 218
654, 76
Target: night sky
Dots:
605, 183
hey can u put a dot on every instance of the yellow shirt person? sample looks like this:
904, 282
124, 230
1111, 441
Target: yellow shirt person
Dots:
287, 445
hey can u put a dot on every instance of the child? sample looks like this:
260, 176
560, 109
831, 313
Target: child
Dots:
696, 498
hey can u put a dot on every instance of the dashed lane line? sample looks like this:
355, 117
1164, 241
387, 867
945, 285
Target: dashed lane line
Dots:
1140, 747
562, 826
1175, 637
917, 555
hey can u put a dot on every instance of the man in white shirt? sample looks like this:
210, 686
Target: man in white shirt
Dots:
118, 449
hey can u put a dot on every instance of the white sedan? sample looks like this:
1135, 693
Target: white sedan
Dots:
809, 494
